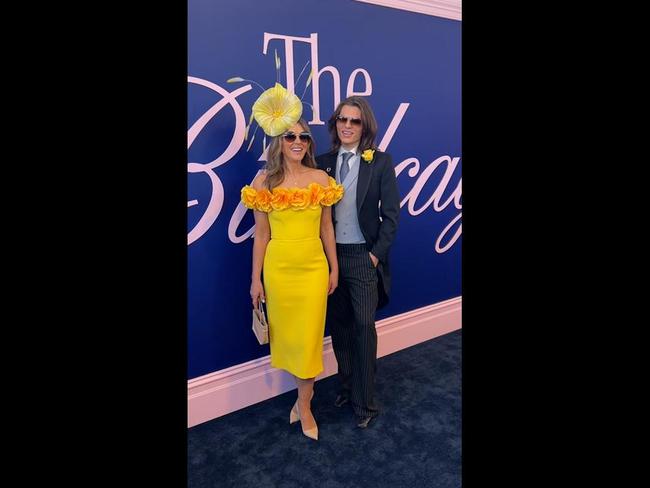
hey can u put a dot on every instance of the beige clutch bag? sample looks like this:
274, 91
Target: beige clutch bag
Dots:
260, 324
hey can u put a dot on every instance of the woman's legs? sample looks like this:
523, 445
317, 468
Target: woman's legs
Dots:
305, 393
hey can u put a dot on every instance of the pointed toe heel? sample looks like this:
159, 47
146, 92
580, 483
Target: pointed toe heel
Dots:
311, 433
293, 415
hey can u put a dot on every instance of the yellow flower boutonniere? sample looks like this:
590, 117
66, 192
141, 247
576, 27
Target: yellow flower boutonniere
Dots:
367, 155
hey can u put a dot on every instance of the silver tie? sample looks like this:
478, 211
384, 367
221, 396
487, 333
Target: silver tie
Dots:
345, 167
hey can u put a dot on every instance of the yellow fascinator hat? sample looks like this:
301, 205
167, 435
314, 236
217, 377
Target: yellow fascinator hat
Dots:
276, 110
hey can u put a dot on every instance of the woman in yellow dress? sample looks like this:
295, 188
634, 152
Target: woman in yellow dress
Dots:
296, 250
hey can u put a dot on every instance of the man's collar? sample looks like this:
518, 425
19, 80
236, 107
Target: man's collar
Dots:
354, 150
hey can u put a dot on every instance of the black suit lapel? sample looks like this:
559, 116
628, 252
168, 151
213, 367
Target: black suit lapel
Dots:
365, 174
329, 164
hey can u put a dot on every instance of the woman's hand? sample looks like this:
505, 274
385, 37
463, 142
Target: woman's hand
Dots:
333, 282
257, 293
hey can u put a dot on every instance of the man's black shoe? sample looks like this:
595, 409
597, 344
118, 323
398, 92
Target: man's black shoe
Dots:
364, 421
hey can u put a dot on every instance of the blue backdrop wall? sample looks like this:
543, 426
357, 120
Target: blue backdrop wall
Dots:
407, 64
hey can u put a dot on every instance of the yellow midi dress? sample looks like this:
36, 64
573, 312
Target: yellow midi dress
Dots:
295, 273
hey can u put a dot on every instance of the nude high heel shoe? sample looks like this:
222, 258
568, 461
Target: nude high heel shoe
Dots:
311, 433
294, 416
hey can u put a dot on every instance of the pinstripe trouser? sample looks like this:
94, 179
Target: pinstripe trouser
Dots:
351, 322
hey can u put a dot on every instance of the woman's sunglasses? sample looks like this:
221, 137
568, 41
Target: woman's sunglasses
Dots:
344, 120
290, 137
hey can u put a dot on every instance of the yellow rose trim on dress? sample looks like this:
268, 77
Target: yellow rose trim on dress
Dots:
248, 196
292, 198
332, 194
367, 155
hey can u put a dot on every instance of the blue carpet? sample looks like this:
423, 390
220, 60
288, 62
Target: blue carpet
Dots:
415, 441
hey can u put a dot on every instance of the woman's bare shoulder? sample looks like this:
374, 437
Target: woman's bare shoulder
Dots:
258, 182
320, 177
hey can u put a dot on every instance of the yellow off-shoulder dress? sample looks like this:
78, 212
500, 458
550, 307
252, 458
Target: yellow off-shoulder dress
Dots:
295, 273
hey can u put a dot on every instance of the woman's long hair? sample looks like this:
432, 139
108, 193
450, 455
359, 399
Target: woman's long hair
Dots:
368, 121
275, 168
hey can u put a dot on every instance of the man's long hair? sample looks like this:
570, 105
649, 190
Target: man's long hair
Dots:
368, 121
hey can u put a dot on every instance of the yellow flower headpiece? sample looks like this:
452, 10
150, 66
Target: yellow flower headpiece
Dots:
276, 110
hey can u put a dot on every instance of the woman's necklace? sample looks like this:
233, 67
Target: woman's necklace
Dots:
293, 178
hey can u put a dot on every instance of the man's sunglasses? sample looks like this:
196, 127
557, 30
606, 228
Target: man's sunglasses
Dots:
291, 137
344, 120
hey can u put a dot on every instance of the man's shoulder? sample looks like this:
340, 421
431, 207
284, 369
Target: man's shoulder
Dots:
381, 154
324, 157
381, 157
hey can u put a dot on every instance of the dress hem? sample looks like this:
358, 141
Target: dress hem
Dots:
301, 376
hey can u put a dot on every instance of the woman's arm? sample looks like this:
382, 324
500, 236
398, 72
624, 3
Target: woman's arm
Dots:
261, 240
327, 237
329, 246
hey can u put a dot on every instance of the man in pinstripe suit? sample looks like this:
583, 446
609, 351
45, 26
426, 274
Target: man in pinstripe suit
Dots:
365, 223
